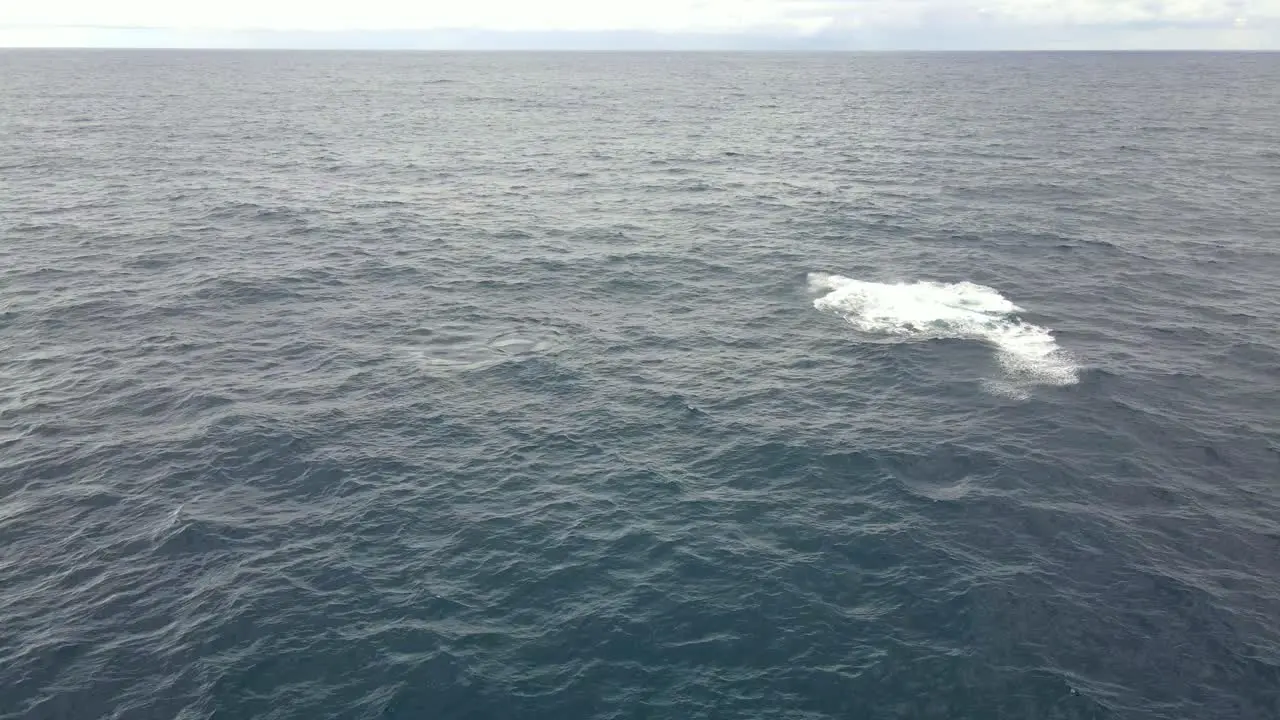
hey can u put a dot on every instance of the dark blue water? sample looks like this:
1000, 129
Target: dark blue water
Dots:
655, 386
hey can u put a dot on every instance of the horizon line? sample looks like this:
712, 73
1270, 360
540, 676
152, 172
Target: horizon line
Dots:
601, 51
1144, 37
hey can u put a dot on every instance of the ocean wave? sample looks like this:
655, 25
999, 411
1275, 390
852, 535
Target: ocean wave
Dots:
931, 310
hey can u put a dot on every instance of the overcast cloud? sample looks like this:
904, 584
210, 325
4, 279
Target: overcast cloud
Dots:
790, 24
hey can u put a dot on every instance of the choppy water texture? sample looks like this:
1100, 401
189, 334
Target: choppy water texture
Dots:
658, 386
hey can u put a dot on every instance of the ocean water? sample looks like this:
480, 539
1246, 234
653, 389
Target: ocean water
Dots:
549, 387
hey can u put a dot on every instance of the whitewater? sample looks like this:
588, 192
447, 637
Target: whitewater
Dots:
927, 310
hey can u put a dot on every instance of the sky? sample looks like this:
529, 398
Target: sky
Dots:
647, 24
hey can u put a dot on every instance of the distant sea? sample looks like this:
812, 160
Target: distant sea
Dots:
661, 386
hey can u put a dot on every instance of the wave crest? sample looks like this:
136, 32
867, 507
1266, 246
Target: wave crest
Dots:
930, 310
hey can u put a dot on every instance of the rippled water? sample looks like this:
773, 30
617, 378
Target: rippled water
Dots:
653, 386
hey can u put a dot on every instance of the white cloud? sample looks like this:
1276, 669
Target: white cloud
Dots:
581, 15
43, 21
1114, 12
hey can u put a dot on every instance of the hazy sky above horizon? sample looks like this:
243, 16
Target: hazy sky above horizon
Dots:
790, 24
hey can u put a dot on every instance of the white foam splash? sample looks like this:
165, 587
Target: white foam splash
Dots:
927, 310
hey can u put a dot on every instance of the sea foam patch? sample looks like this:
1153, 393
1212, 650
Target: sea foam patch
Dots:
476, 350
929, 310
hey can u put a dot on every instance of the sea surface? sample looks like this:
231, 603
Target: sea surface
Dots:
607, 386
